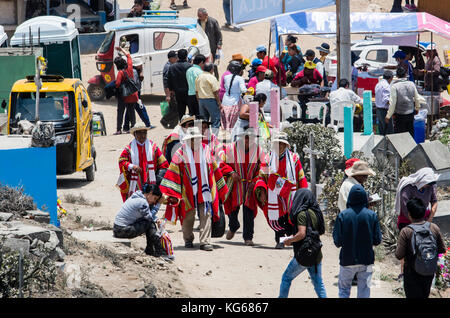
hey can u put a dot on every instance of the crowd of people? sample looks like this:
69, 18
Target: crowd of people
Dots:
197, 174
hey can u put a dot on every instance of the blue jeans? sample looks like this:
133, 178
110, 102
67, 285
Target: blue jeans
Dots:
364, 275
227, 10
383, 127
293, 270
142, 112
208, 108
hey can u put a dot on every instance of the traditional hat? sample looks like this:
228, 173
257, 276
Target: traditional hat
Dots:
324, 47
137, 127
350, 162
309, 64
261, 48
185, 119
256, 62
359, 168
237, 57
261, 69
281, 137
192, 132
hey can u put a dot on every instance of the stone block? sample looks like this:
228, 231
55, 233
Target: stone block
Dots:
14, 244
32, 232
5, 217
442, 217
99, 237
437, 154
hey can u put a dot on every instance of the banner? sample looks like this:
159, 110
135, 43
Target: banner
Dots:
243, 11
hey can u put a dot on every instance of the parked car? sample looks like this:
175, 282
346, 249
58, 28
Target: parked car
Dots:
149, 38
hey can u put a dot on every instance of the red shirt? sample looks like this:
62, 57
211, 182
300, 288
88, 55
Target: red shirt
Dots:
133, 98
317, 78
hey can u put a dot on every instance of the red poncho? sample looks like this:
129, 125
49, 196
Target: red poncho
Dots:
127, 177
248, 166
177, 183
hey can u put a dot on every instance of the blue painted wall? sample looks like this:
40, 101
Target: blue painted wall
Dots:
35, 170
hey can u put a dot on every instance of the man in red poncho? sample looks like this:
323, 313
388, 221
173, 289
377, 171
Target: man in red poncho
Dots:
194, 182
139, 162
284, 177
272, 64
241, 163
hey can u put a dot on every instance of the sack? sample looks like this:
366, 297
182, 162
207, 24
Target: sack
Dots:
218, 228
127, 87
164, 108
424, 247
307, 252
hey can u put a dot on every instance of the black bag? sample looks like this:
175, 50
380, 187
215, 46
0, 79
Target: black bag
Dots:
127, 87
309, 248
218, 228
424, 247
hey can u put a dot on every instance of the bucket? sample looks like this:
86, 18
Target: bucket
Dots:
419, 131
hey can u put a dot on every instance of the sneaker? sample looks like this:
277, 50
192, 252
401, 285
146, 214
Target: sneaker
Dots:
119, 132
126, 131
151, 127
173, 6
237, 29
413, 6
206, 247
230, 235
249, 243
279, 246
408, 7
189, 245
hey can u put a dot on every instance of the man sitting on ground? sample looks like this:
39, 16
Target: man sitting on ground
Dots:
138, 216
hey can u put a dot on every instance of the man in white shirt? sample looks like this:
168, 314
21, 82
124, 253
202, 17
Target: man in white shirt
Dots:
382, 95
265, 86
343, 93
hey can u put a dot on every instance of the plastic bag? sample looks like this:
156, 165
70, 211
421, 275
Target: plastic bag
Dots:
164, 108
422, 115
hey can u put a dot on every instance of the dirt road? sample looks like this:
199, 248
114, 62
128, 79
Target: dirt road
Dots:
232, 269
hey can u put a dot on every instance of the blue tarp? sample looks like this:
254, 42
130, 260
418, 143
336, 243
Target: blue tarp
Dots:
250, 10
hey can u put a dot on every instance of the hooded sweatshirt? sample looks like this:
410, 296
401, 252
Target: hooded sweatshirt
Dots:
357, 230
135, 207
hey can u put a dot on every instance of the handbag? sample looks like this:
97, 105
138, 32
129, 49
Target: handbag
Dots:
127, 87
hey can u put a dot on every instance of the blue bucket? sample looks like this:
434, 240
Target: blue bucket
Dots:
419, 131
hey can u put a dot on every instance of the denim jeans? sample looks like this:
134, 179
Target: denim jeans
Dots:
293, 270
227, 10
364, 275
208, 108
384, 128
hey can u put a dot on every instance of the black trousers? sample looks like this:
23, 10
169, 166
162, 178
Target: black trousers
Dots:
170, 120
415, 285
248, 219
193, 105
404, 123
140, 227
288, 228
182, 103
121, 107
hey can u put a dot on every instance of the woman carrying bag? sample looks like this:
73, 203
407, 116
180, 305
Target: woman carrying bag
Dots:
128, 91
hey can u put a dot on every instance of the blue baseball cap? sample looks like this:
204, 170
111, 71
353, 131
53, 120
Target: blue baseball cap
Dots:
261, 48
256, 62
399, 54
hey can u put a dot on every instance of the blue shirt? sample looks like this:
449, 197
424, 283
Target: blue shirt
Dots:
191, 75
135, 207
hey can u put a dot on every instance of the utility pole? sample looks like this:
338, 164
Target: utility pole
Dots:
343, 39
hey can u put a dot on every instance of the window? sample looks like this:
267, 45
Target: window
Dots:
53, 106
164, 40
85, 98
131, 41
106, 45
380, 56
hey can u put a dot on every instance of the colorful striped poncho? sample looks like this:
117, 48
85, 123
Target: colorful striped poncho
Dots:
234, 159
177, 184
126, 175
285, 197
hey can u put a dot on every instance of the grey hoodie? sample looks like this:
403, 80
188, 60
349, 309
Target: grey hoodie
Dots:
135, 207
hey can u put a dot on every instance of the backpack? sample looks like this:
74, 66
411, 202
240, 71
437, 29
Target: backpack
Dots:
424, 248
308, 249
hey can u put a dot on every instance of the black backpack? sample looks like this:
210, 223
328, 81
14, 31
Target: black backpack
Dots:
424, 247
308, 249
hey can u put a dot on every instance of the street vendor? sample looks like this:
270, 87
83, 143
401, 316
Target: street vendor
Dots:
283, 177
193, 183
139, 162
240, 165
